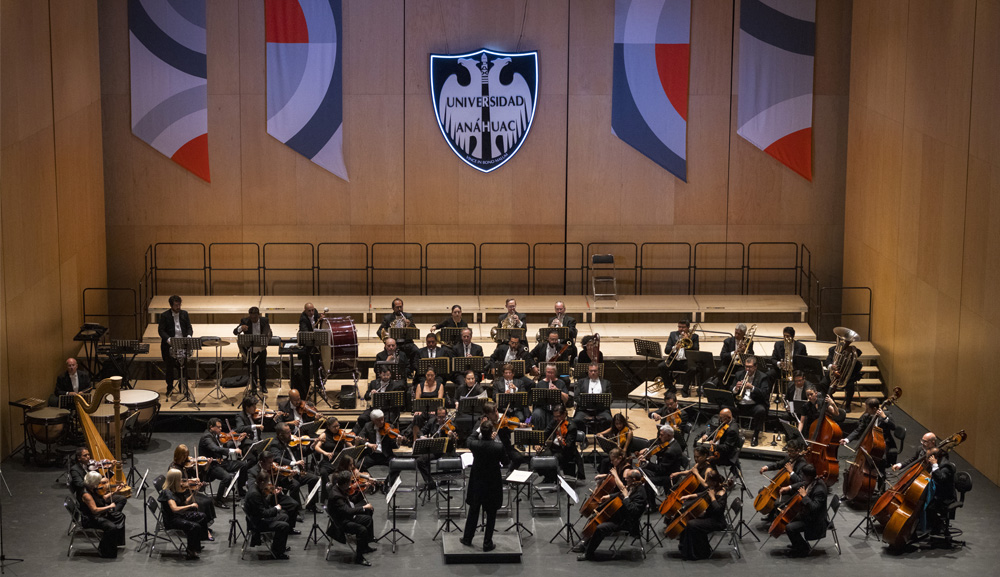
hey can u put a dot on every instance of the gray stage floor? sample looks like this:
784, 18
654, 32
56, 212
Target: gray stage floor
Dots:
34, 528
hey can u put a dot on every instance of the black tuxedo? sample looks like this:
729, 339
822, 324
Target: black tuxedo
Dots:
243, 423
485, 488
811, 522
350, 518
522, 316
308, 355
600, 419
666, 462
498, 356
569, 322
390, 414
667, 373
289, 414
626, 518
541, 355
778, 354
567, 452
760, 393
729, 445
728, 348
209, 446
380, 457
405, 345
167, 330
64, 385
263, 516
401, 359
285, 455
851, 382
523, 384
259, 359
541, 415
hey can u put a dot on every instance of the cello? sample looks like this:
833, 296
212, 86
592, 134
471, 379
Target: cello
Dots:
602, 516
605, 487
768, 495
790, 512
671, 506
694, 509
861, 478
822, 444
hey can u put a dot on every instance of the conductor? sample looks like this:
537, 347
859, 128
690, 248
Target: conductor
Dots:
485, 491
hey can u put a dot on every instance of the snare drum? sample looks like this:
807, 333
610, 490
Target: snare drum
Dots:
47, 425
146, 403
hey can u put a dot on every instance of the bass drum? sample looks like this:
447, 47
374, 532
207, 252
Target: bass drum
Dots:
342, 354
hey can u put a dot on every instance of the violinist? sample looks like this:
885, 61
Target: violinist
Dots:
694, 540
286, 455
181, 512
294, 412
246, 424
752, 390
592, 384
552, 350
927, 442
346, 463
485, 489
619, 433
440, 426
675, 346
383, 384
627, 517
376, 435
560, 438
508, 383
465, 419
263, 514
330, 442
98, 512
667, 460
794, 461
724, 440
884, 421
222, 468
671, 414
185, 464
543, 414
350, 518
281, 486
811, 522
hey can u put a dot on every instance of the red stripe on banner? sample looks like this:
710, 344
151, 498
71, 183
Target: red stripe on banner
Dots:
672, 63
794, 151
284, 22
194, 156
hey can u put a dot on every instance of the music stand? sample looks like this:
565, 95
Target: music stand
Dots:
235, 529
145, 537
520, 480
648, 350
430, 448
127, 350
395, 368
462, 365
580, 370
313, 340
503, 335
528, 438
519, 367
182, 346
427, 405
404, 334
388, 400
647, 531
471, 405
247, 342
568, 527
813, 368
439, 364
89, 335
721, 398
394, 534
562, 367
543, 333
316, 532
507, 401
451, 334
545, 397
596, 402
352, 452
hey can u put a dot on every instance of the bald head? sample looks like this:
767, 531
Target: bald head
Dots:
725, 416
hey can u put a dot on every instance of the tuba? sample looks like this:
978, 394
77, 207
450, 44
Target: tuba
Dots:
511, 321
844, 357
741, 348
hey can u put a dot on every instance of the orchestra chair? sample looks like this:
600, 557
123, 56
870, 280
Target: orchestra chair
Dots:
621, 538
158, 483
161, 532
400, 465
337, 534
450, 481
963, 484
900, 433
602, 268
544, 467
76, 528
831, 529
731, 532
255, 537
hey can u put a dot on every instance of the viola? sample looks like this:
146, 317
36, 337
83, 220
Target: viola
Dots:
861, 478
307, 410
671, 504
824, 441
343, 435
226, 437
510, 423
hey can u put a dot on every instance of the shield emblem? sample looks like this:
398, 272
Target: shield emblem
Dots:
484, 102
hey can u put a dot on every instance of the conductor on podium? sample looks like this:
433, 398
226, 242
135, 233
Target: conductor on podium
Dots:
489, 452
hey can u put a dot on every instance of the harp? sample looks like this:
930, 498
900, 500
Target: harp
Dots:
98, 448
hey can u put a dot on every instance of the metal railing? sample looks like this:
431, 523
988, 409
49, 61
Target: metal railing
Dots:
257, 269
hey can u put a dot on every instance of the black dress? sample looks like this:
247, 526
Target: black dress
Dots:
205, 502
694, 541
112, 522
193, 523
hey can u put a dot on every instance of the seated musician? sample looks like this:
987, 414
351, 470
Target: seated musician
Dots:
222, 468
752, 390
246, 424
78, 470
254, 324
398, 318
512, 350
432, 350
725, 440
517, 320
350, 518
798, 349
941, 493
173, 323
329, 443
391, 354
812, 409
796, 394
592, 384
438, 427
383, 384
618, 432
694, 540
850, 383
794, 460
591, 350
181, 512
264, 515
430, 386
680, 361
560, 437
453, 322
508, 383
541, 415
287, 456
671, 414
72, 382
927, 442
883, 420
465, 348
615, 461
346, 463
702, 455
466, 419
561, 319
811, 521
293, 411
184, 463
669, 459
551, 350
380, 447
730, 346
627, 517
282, 484
98, 512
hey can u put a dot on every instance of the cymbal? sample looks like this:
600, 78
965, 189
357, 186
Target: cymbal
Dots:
216, 343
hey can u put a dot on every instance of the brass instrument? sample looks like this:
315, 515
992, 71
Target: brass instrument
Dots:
786, 364
656, 386
511, 321
685, 342
741, 348
98, 448
844, 357
397, 323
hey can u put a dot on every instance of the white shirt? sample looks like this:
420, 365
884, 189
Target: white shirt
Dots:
551, 351
432, 353
75, 379
468, 350
594, 387
255, 330
177, 325
511, 355
509, 387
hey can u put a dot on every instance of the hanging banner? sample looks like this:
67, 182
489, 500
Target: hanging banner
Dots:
649, 99
169, 79
304, 79
777, 51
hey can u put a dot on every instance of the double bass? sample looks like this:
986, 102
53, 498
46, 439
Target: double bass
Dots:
899, 508
822, 444
862, 475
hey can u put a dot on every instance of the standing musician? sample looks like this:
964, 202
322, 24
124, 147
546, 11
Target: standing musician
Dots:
267, 517
560, 440
724, 440
181, 512
694, 540
453, 322
591, 352
329, 443
702, 464
173, 323
391, 354
465, 419
668, 460
793, 462
521, 321
308, 321
752, 390
851, 382
927, 442
350, 518
811, 521
465, 348
254, 324
512, 350
627, 517
675, 346
731, 345
294, 412
72, 382
561, 319
508, 383
816, 404
399, 318
383, 384
490, 450
98, 512
542, 414
248, 423
671, 414
189, 470
287, 456
592, 384
222, 468
380, 446
552, 350
282, 484
778, 354
884, 421
439, 426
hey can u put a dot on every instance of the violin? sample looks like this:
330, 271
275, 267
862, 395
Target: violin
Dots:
861, 478
105, 488
342, 436
283, 470
307, 410
559, 434
259, 414
200, 461
102, 465
388, 431
226, 437
511, 423
715, 437
296, 441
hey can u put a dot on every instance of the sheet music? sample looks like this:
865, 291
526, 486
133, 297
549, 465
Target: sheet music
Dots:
518, 476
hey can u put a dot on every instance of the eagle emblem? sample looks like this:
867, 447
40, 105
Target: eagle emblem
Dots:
484, 102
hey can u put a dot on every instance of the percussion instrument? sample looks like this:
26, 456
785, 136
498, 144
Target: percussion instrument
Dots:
104, 421
146, 403
48, 426
342, 354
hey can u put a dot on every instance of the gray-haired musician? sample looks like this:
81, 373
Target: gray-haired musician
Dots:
173, 323
561, 319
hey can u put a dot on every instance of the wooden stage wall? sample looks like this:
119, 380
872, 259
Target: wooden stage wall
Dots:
923, 206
